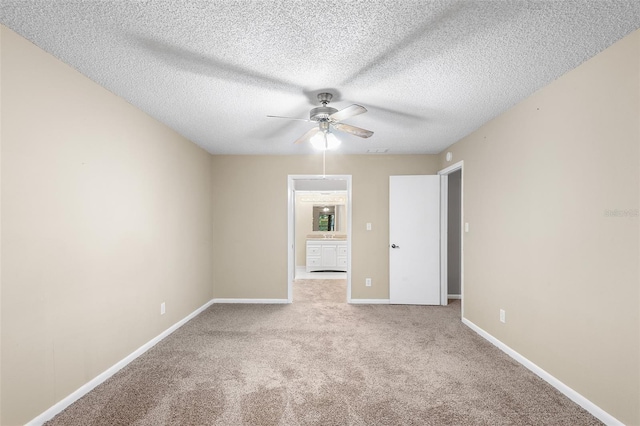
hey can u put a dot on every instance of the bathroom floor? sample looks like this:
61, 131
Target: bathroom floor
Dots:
302, 274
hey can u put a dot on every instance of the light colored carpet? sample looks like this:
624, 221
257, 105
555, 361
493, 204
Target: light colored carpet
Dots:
320, 361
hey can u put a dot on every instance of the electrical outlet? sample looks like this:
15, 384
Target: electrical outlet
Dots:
503, 316
368, 226
367, 282
162, 308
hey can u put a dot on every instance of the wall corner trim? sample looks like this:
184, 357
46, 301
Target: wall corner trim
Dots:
369, 301
592, 408
89, 386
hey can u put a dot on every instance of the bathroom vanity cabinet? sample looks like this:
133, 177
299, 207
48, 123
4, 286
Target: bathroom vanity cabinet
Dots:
326, 255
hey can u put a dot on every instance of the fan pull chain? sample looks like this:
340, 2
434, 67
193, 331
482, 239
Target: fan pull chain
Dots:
324, 163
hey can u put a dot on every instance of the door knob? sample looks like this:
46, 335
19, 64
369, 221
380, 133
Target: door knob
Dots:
394, 246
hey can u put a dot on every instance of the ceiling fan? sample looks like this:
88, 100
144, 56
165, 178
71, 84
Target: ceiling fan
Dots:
329, 118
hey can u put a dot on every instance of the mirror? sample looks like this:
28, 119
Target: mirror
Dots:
328, 218
324, 218
311, 216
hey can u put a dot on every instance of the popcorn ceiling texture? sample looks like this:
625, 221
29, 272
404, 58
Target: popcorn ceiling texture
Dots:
430, 72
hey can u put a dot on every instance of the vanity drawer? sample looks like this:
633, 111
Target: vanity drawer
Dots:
314, 261
342, 262
313, 250
342, 250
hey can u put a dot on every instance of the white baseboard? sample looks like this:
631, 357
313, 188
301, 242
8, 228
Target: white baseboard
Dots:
252, 301
592, 408
454, 296
369, 301
89, 386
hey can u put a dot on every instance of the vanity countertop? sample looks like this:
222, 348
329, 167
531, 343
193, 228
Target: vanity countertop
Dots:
329, 237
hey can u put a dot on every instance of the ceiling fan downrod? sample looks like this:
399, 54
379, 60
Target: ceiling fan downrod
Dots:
324, 98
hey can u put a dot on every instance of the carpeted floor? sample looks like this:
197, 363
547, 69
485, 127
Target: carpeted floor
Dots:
320, 361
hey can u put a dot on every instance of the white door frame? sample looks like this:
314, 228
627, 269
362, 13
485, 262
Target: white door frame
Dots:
444, 198
291, 233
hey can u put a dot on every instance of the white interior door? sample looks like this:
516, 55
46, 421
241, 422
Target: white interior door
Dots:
414, 240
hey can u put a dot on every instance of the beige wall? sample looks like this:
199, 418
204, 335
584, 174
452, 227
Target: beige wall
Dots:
250, 257
538, 182
105, 214
304, 212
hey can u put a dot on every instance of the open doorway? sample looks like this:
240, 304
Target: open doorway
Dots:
319, 229
451, 249
454, 234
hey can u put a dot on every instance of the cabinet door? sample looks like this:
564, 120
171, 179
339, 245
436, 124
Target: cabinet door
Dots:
329, 256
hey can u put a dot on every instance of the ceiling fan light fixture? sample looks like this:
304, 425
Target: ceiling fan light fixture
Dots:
332, 141
325, 141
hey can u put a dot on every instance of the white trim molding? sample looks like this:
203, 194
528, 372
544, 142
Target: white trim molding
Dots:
99, 379
251, 301
444, 205
369, 301
592, 408
454, 296
452, 168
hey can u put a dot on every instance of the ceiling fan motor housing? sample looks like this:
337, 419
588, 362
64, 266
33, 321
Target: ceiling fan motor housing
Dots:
321, 113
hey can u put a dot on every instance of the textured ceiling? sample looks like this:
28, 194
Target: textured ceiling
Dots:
429, 72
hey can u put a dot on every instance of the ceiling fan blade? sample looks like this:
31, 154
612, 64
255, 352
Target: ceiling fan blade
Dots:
363, 133
288, 118
308, 135
348, 112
